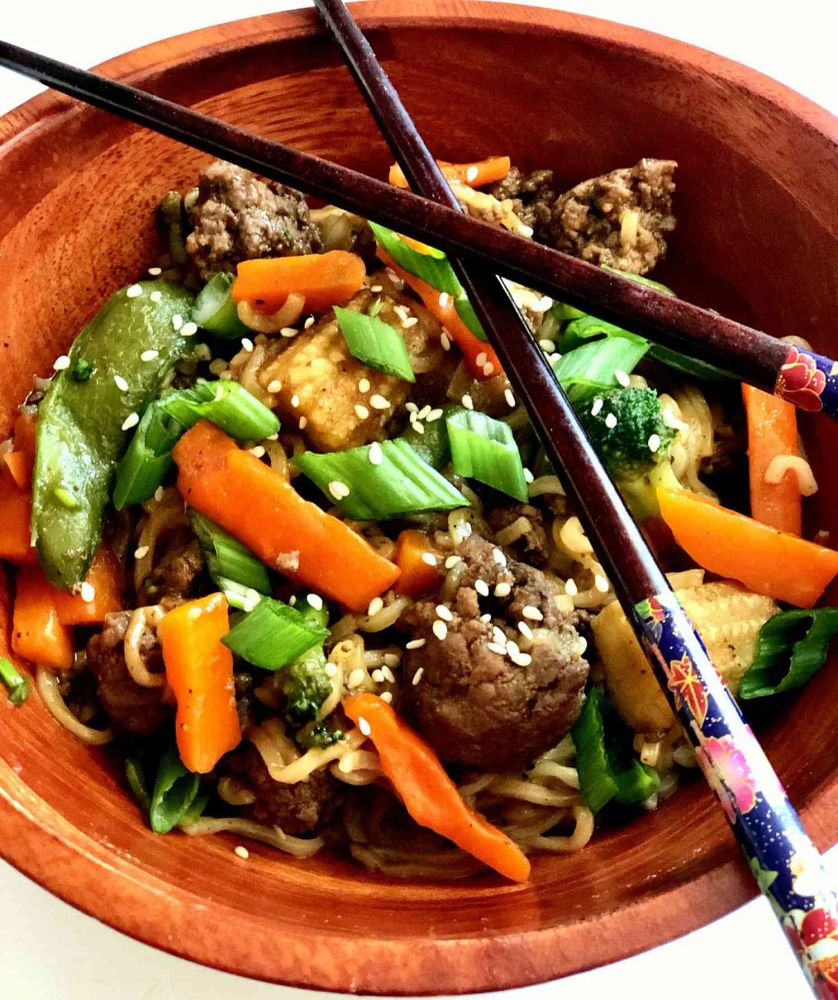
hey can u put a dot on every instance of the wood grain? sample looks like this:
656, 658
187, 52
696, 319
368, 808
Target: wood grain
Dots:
757, 239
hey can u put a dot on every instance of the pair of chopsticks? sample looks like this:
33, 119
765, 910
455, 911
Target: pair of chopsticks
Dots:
765, 823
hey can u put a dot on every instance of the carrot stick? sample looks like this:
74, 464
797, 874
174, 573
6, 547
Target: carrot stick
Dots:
324, 279
429, 795
24, 435
105, 577
37, 633
417, 560
15, 515
199, 670
19, 464
477, 353
772, 431
476, 174
765, 560
261, 509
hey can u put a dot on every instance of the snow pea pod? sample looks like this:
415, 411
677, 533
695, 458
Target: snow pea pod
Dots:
125, 353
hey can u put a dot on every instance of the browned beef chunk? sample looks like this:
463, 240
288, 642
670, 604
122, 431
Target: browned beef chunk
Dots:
176, 574
131, 708
525, 524
532, 194
488, 695
239, 217
297, 808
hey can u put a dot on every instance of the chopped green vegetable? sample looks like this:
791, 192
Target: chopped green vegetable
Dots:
306, 685
215, 310
321, 734
175, 789
273, 634
398, 485
228, 561
484, 449
195, 811
148, 460
17, 684
138, 783
431, 445
81, 370
591, 368
791, 648
375, 343
171, 215
607, 767
80, 436
227, 404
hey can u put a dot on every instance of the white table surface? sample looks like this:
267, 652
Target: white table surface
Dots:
49, 950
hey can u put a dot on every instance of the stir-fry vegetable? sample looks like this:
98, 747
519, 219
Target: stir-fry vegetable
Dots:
215, 311
199, 670
484, 449
16, 684
792, 647
175, 790
772, 432
767, 561
418, 562
15, 516
138, 783
100, 595
257, 506
148, 460
429, 795
37, 632
306, 683
374, 342
273, 634
431, 442
323, 279
230, 564
132, 342
476, 174
592, 368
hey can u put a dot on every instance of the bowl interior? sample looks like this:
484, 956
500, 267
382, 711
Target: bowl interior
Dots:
754, 239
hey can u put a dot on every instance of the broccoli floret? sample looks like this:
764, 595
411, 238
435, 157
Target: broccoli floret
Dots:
306, 685
627, 428
321, 735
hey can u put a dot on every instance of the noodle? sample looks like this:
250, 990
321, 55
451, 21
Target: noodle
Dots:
234, 793
530, 791
798, 467
299, 847
285, 316
161, 515
283, 760
582, 832
47, 684
141, 619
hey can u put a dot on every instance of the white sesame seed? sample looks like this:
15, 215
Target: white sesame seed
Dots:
288, 332
444, 339
331, 669
177, 321
415, 644
471, 174
553, 358
528, 476
375, 454
498, 635
377, 676
189, 329
496, 648
481, 587
418, 426
378, 402
302, 423
488, 369
130, 421
434, 415
155, 271
156, 296
364, 726
158, 494
611, 421
361, 412
411, 408
386, 696
121, 384
423, 412
292, 600
364, 386
467, 402
88, 592
444, 299
444, 612
274, 385
601, 583
429, 559
599, 402
309, 323
452, 561
401, 311
356, 677
654, 442
481, 359
134, 291
512, 647
257, 451
241, 852
525, 630
408, 323
338, 489
149, 355
571, 588
418, 676
622, 378
520, 659
440, 629
509, 396
548, 346
532, 612
502, 589
498, 556
487, 617
295, 400
314, 601
61, 363
375, 605
141, 552
273, 437
376, 288
247, 344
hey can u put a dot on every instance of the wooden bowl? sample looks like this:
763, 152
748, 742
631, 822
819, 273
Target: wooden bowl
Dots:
756, 237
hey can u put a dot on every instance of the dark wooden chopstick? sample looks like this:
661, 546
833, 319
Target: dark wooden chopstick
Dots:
641, 587
751, 355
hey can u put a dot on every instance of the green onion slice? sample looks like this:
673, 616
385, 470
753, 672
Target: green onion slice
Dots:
137, 782
375, 343
227, 404
484, 449
175, 789
228, 561
591, 368
16, 683
273, 634
148, 459
791, 648
214, 310
380, 481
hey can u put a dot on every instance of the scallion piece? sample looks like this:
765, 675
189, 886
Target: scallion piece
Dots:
214, 310
17, 684
148, 459
175, 789
273, 634
791, 648
227, 404
375, 343
431, 444
136, 778
591, 368
228, 561
484, 449
365, 489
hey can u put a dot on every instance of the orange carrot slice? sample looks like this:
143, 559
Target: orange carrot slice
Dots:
772, 431
417, 560
323, 279
37, 633
476, 174
105, 579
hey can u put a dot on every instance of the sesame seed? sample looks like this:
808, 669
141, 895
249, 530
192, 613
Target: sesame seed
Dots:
361, 411
467, 402
288, 332
364, 386
423, 412
481, 587
295, 400
134, 291
121, 384
274, 385
390, 660
401, 311
356, 678
189, 329
498, 556
302, 423
481, 359
571, 588
509, 396
498, 635
445, 341
553, 358
512, 647
309, 323
247, 344
378, 676
61, 363
444, 612
411, 408
155, 271
520, 659
177, 321
130, 421
378, 402
141, 552
257, 451
156, 296
415, 644
502, 589
88, 592
292, 600
376, 288
433, 415
364, 726
418, 426
386, 696
444, 299
525, 630
418, 676
440, 629
528, 476
408, 323
375, 454
273, 437
375, 605
622, 378
488, 369
548, 346
601, 583
487, 617
496, 648
149, 355
241, 852
331, 670
314, 601
599, 402
158, 494
452, 561
471, 174
338, 489
611, 421
429, 559
654, 442
532, 612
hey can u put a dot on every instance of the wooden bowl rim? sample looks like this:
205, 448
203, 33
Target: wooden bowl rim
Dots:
43, 845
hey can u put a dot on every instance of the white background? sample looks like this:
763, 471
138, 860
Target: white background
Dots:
47, 949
